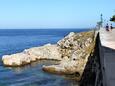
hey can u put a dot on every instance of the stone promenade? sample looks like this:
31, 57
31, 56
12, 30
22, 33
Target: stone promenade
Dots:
108, 43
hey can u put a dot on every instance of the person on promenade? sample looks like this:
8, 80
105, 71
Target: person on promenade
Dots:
107, 27
111, 27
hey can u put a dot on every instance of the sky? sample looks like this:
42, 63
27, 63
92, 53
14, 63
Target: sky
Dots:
37, 14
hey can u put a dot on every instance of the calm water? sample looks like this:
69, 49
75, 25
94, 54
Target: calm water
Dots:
13, 41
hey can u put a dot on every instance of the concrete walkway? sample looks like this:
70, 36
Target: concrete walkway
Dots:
108, 43
108, 38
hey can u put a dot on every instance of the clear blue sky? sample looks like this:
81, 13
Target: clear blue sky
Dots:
54, 13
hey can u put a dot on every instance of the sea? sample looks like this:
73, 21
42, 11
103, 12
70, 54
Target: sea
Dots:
15, 41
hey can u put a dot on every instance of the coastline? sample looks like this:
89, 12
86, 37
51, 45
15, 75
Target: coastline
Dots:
53, 52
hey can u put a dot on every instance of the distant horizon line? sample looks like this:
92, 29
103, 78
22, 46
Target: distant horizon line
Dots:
47, 28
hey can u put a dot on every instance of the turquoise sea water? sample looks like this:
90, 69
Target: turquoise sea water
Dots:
16, 40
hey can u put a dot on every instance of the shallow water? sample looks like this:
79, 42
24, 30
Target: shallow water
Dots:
12, 41
32, 75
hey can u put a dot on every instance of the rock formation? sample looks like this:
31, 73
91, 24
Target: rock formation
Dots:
47, 51
72, 51
75, 50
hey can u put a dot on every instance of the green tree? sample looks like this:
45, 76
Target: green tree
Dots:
113, 18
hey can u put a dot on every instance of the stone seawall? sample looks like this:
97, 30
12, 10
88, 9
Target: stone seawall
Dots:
93, 74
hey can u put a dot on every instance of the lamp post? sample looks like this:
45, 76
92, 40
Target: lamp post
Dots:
101, 20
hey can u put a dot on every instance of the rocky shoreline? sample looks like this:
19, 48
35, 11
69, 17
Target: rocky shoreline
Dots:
72, 52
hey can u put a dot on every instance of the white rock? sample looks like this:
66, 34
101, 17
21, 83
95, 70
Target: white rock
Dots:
16, 59
71, 34
27, 56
